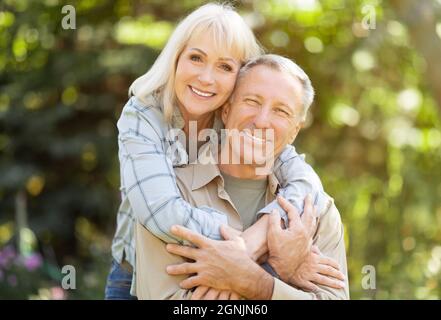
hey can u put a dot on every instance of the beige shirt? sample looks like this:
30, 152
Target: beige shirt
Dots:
202, 185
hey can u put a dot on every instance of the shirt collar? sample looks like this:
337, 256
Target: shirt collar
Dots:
178, 120
205, 172
208, 170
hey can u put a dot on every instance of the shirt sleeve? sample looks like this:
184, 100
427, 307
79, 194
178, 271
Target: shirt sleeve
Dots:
297, 179
330, 240
149, 182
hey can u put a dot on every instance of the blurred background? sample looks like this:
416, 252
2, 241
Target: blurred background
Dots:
373, 136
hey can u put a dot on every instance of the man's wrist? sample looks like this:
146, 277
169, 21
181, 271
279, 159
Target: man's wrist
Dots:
258, 285
265, 287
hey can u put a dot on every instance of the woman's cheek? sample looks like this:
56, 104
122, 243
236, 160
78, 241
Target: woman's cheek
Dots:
229, 88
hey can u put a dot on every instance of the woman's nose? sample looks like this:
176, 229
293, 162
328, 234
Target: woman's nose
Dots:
206, 76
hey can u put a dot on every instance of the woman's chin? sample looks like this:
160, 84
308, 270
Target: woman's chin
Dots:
199, 110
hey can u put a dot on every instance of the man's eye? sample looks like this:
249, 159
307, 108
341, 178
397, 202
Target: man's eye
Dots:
283, 112
227, 67
252, 102
195, 57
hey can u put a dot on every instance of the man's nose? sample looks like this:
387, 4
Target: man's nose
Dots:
206, 76
263, 118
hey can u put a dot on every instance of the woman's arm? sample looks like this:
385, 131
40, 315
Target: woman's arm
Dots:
297, 179
148, 179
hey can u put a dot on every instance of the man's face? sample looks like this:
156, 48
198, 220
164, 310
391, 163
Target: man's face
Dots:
269, 101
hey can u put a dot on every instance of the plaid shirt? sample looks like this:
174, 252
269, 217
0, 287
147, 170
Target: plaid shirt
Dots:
149, 193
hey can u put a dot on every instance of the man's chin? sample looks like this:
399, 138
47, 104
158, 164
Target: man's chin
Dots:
263, 166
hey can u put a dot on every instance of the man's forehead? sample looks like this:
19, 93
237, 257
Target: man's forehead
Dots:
265, 79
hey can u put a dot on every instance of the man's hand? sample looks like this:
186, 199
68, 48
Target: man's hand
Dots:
318, 270
222, 265
290, 247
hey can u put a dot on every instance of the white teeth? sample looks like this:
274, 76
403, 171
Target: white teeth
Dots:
200, 93
253, 137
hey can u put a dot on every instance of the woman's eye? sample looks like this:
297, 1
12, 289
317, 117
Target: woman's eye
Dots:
195, 58
227, 67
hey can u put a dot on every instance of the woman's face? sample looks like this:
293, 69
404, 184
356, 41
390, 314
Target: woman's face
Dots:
204, 77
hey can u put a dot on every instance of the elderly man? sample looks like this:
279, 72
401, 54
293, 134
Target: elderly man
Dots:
268, 97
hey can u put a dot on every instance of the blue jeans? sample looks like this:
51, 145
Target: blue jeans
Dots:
118, 283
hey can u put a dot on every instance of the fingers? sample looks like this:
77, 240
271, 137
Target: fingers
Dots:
183, 251
330, 272
316, 250
189, 235
224, 295
234, 296
274, 222
293, 214
328, 261
308, 286
183, 268
228, 233
191, 282
309, 216
199, 293
212, 294
328, 282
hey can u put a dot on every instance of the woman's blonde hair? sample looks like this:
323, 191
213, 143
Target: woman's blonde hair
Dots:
228, 30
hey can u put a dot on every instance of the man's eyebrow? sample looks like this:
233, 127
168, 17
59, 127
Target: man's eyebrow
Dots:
221, 58
250, 94
278, 101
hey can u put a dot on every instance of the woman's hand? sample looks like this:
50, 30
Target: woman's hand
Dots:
318, 269
256, 238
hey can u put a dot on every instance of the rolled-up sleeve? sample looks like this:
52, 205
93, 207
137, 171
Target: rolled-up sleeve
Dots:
149, 182
297, 180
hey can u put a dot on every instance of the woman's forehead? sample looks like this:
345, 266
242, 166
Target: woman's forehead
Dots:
213, 46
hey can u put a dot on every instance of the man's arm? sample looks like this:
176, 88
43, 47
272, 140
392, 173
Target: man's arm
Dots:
330, 242
225, 265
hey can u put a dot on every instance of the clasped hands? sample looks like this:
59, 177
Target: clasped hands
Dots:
230, 270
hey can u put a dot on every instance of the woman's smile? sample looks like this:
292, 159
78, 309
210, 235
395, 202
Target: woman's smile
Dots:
201, 94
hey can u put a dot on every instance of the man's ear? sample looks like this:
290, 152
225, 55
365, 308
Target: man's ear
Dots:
296, 130
225, 111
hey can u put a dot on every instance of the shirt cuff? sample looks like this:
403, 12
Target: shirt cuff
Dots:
218, 220
283, 291
270, 207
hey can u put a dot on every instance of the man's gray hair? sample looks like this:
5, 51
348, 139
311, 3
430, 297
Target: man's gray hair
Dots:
287, 66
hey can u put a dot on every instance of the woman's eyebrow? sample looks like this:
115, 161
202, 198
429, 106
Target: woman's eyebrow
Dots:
199, 50
228, 59
221, 58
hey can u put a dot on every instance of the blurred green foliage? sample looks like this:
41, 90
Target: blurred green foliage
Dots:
374, 134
